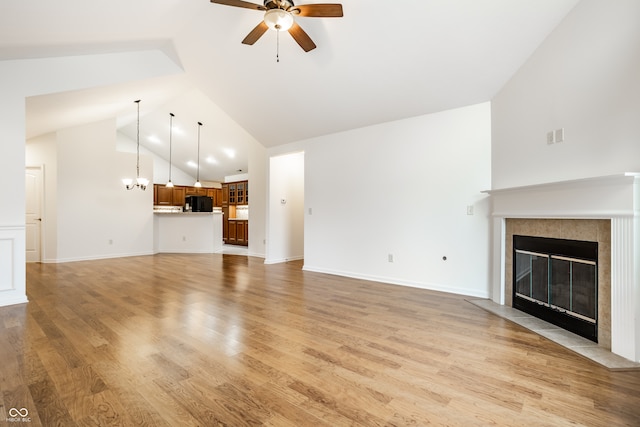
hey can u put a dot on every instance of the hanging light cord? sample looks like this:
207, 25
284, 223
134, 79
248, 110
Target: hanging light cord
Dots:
198, 172
170, 132
138, 141
278, 46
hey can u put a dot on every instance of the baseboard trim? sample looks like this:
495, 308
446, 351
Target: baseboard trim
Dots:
394, 281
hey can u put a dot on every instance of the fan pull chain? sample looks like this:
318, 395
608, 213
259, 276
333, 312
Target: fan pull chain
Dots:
278, 46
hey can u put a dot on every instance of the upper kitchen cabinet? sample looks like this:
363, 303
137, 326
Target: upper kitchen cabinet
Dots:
196, 191
216, 196
167, 196
162, 195
241, 193
233, 197
235, 193
179, 194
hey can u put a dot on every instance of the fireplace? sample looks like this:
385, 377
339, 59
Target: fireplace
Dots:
556, 280
605, 210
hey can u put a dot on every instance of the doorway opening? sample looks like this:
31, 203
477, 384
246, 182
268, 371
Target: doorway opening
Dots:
33, 209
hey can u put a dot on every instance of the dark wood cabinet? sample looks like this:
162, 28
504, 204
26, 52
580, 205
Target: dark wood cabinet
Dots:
196, 191
179, 194
242, 232
232, 193
225, 195
234, 231
163, 195
240, 193
216, 196
175, 196
237, 231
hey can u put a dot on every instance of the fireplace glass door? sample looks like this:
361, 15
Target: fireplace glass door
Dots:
557, 288
564, 284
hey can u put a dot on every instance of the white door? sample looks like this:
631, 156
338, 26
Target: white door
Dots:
33, 190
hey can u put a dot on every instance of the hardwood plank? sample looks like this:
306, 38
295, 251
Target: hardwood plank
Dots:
203, 340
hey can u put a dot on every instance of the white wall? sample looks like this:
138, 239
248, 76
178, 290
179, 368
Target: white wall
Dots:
257, 198
97, 216
285, 239
583, 78
401, 188
160, 166
28, 77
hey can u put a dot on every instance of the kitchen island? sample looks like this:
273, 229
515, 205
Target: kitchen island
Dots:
187, 232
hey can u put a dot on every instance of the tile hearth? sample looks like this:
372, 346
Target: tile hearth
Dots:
573, 342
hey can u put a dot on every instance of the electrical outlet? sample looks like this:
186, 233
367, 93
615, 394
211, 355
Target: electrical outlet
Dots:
559, 135
111, 241
470, 210
390, 257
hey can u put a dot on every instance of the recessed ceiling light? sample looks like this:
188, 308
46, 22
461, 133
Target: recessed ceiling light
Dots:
211, 160
230, 153
154, 139
192, 164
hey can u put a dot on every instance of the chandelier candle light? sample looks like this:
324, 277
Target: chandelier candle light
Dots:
141, 183
171, 116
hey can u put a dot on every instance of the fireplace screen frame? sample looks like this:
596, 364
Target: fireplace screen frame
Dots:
541, 299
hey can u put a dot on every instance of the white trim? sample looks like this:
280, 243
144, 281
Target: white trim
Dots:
13, 278
281, 260
615, 198
396, 282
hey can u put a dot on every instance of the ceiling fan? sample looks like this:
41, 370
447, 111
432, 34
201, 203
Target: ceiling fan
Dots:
279, 15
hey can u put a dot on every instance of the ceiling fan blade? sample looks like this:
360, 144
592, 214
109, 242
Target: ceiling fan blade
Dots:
301, 37
240, 3
319, 10
256, 33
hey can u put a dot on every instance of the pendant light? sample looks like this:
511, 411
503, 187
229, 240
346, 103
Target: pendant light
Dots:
198, 184
141, 183
171, 116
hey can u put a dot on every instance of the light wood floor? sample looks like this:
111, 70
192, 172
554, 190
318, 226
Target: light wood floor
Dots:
208, 340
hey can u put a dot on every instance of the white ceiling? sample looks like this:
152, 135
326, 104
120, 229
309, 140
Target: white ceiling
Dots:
382, 61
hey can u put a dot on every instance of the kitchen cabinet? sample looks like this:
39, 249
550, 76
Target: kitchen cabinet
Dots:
234, 231
215, 194
178, 194
242, 232
235, 193
232, 193
237, 232
196, 191
163, 196
240, 193
175, 196
225, 195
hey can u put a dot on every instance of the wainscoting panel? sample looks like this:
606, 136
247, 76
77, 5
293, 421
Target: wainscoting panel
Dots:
12, 265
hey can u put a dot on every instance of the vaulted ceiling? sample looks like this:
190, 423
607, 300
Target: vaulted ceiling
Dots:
382, 61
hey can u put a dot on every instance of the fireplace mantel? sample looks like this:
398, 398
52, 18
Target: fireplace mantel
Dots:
616, 198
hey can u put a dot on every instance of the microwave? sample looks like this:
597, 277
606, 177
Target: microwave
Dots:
198, 204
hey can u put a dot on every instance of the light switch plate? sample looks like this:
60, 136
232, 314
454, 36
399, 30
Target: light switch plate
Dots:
550, 137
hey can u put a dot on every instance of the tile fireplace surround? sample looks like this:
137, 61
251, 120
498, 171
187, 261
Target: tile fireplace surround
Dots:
603, 209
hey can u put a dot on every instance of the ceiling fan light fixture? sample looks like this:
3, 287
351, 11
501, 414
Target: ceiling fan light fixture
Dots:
278, 19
